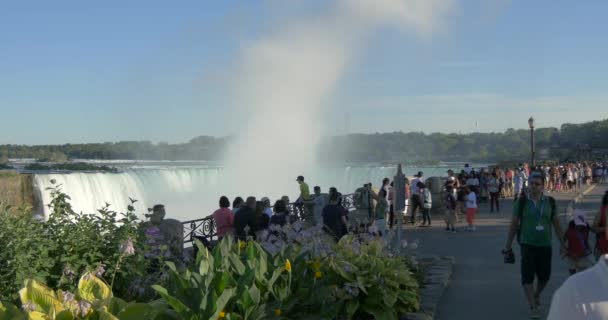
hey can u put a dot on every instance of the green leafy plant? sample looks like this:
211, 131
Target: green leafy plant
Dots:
69, 243
93, 299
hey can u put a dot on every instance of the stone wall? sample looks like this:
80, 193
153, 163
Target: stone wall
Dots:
17, 190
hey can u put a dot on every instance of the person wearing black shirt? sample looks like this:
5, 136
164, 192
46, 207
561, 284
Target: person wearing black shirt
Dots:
246, 217
334, 219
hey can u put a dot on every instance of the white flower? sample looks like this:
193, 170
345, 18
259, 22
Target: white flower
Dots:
127, 248
68, 296
100, 270
28, 306
83, 308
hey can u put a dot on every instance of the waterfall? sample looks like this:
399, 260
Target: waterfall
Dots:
192, 192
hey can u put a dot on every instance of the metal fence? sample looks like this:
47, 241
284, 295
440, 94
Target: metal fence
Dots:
205, 227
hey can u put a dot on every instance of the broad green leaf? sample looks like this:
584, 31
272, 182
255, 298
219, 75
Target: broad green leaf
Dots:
115, 305
36, 315
254, 292
133, 311
43, 298
65, 315
237, 264
351, 308
222, 301
8, 311
177, 305
92, 288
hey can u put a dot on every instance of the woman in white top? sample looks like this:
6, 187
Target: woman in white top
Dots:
471, 205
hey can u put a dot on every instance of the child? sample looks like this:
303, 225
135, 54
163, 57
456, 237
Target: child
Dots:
450, 207
578, 251
426, 204
471, 205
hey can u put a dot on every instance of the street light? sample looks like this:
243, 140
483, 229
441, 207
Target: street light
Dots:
531, 124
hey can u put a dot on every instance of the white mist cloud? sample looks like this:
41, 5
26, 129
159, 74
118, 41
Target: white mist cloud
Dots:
284, 79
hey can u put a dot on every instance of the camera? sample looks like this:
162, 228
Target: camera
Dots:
508, 256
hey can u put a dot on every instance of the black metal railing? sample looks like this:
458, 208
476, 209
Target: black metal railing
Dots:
205, 227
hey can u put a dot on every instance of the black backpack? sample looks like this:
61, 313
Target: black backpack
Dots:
523, 201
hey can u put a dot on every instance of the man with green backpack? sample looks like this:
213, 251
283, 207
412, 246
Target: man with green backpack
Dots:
534, 216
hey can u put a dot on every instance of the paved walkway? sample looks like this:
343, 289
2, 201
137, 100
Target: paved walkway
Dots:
482, 286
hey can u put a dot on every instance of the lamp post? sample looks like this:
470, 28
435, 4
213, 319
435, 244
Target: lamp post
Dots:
531, 124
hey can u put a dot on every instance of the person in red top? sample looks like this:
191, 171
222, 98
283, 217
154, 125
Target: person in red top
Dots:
599, 227
578, 251
224, 218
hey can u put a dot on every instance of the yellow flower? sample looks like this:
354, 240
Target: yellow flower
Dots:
242, 244
222, 315
318, 274
287, 265
278, 312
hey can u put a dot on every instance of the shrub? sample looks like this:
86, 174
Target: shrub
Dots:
56, 251
92, 299
297, 274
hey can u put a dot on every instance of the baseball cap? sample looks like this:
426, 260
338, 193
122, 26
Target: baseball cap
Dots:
579, 218
300, 178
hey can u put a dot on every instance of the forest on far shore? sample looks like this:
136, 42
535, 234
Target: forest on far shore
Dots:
570, 141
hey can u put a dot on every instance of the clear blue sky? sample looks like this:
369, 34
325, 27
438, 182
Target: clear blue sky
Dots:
82, 71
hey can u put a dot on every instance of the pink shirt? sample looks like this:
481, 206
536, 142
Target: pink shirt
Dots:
224, 220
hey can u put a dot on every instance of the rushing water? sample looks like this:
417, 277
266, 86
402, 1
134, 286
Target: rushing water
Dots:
191, 191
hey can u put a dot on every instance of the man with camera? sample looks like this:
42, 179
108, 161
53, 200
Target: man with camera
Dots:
533, 218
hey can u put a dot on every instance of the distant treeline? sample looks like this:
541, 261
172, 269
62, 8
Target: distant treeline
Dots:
571, 141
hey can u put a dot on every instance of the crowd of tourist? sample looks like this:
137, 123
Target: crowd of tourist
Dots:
373, 210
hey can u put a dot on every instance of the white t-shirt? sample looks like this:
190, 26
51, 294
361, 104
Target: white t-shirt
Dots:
414, 187
471, 200
583, 296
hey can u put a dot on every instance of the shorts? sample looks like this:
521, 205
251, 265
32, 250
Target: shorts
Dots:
535, 261
580, 263
471, 215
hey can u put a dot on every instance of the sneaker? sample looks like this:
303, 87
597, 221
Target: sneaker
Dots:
447, 229
535, 313
453, 230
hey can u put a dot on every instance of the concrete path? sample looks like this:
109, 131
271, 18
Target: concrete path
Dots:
482, 286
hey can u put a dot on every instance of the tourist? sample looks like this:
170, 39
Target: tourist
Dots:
534, 216
379, 219
493, 188
599, 227
427, 203
416, 197
224, 218
305, 208
519, 179
245, 220
471, 207
266, 206
473, 183
362, 200
334, 220
578, 251
385, 186
319, 201
280, 215
583, 295
262, 218
509, 174
391, 207
237, 204
467, 169
450, 207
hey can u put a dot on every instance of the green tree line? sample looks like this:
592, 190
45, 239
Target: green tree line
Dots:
553, 143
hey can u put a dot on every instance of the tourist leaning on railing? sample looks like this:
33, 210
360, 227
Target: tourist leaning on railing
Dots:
223, 218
